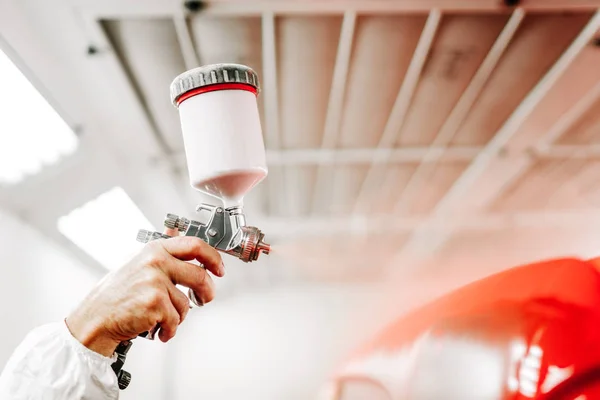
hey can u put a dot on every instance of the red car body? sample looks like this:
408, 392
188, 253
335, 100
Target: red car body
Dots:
531, 332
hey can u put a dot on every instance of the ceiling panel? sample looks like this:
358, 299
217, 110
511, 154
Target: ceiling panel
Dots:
544, 124
151, 55
388, 183
346, 184
228, 39
538, 43
581, 189
553, 184
383, 48
440, 177
306, 53
461, 44
587, 129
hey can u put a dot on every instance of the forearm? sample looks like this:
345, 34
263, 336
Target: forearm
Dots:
51, 364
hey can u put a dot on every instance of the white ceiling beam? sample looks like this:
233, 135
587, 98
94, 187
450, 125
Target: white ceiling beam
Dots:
401, 105
336, 103
421, 244
363, 156
184, 37
270, 93
164, 8
269, 80
411, 155
338, 84
384, 7
564, 152
359, 225
407, 155
460, 111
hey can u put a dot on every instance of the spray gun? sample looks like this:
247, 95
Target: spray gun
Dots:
226, 159
225, 154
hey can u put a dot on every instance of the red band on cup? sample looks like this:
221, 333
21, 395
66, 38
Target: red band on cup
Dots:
214, 88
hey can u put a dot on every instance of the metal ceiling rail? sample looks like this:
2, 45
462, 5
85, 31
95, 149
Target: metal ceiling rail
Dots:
190, 57
401, 105
116, 9
421, 243
244, 7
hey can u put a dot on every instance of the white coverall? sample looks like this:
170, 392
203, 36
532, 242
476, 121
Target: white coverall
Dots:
50, 364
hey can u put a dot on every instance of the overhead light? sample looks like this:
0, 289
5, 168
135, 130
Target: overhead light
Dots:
106, 228
32, 134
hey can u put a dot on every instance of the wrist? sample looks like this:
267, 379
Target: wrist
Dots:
91, 335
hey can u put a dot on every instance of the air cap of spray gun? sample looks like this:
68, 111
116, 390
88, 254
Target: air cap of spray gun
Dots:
221, 129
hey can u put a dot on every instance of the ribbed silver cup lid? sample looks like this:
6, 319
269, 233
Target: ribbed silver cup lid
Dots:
210, 75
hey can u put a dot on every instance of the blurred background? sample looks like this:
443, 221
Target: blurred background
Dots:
413, 146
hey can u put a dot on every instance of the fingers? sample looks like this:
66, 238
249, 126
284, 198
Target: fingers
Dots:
193, 277
179, 300
206, 293
189, 248
168, 255
169, 322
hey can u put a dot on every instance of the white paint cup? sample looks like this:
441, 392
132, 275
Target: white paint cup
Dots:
221, 129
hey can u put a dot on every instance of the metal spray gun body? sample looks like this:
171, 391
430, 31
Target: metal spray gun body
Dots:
226, 231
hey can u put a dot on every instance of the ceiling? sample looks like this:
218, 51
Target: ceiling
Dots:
400, 134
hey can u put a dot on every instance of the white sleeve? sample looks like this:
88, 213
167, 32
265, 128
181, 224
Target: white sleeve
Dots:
51, 364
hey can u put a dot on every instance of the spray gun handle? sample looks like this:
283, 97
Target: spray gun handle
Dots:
123, 377
145, 236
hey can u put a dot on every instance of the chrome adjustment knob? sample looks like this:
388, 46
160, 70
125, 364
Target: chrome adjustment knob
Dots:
173, 221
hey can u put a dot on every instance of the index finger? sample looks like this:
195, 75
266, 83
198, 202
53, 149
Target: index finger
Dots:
192, 248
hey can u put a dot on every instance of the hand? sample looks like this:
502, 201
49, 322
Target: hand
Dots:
142, 293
